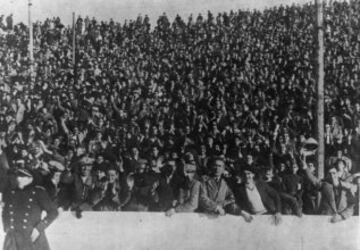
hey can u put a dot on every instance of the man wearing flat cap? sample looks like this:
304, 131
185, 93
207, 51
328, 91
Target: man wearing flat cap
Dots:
256, 197
21, 215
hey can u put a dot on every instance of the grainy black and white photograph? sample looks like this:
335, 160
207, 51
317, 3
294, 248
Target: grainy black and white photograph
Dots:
178, 124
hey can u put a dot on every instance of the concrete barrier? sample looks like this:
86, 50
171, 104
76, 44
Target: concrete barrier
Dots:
128, 230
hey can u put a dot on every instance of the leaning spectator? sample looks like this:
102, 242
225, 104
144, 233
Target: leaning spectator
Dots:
337, 197
256, 197
215, 195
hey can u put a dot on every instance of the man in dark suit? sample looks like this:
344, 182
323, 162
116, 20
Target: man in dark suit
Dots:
215, 194
188, 199
256, 197
21, 215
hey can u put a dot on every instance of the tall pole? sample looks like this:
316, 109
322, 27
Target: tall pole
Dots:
320, 87
74, 39
31, 41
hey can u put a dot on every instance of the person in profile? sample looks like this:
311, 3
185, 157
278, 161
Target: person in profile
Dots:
23, 205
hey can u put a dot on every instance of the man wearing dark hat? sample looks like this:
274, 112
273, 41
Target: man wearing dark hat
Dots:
21, 215
256, 197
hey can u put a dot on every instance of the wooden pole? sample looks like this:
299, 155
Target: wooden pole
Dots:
320, 88
358, 186
31, 41
74, 39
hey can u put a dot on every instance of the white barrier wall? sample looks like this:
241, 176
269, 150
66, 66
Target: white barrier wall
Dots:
128, 230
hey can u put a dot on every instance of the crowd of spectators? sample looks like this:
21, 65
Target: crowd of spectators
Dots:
157, 118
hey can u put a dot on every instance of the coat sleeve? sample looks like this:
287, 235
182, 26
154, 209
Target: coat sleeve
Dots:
229, 197
315, 181
125, 197
205, 202
349, 210
47, 205
275, 196
192, 203
5, 217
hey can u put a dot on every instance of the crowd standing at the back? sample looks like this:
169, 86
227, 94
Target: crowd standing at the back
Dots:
209, 115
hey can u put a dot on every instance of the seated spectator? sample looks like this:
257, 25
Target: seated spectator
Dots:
82, 183
337, 197
129, 194
215, 195
343, 170
188, 200
165, 193
290, 204
109, 199
256, 197
340, 156
309, 197
293, 186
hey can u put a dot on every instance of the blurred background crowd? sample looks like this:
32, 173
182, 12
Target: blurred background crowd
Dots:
145, 111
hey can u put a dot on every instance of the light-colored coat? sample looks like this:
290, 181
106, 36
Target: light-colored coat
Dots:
213, 195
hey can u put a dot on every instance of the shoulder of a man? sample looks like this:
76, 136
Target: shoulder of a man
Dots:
205, 179
38, 189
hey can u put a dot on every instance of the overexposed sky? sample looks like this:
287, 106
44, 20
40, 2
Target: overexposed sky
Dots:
120, 10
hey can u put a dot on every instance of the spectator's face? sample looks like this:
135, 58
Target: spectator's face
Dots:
249, 159
339, 154
249, 176
311, 167
295, 168
269, 175
100, 159
154, 130
85, 170
340, 166
147, 125
24, 153
134, 152
333, 121
12, 127
190, 174
203, 149
286, 137
282, 167
72, 143
357, 107
57, 142
333, 175
188, 130
174, 155
100, 174
155, 151
112, 175
56, 177
218, 168
141, 168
